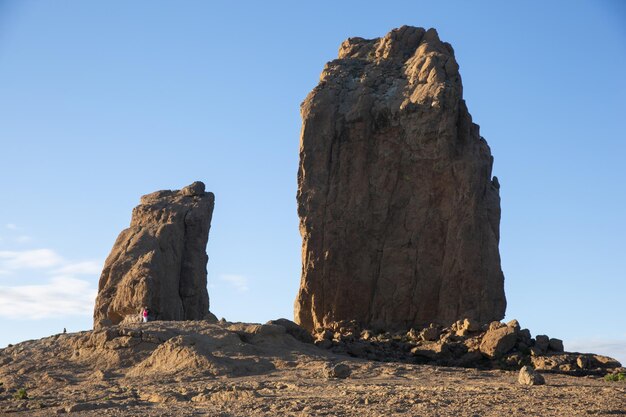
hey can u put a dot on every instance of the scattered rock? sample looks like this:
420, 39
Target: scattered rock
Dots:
430, 333
542, 342
514, 324
465, 327
524, 337
528, 376
160, 261
367, 335
582, 362
395, 192
556, 345
323, 343
293, 329
497, 342
494, 325
339, 370
86, 406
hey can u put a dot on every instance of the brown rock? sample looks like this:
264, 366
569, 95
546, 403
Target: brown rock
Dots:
556, 345
430, 333
528, 376
497, 342
433, 351
294, 330
514, 324
323, 343
495, 325
398, 212
582, 362
524, 337
542, 342
339, 370
465, 327
159, 261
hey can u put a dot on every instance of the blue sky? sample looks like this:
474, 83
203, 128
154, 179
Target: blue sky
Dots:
101, 102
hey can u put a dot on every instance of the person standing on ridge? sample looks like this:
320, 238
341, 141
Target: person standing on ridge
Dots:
144, 314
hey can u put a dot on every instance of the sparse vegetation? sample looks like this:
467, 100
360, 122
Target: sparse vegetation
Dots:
621, 376
20, 394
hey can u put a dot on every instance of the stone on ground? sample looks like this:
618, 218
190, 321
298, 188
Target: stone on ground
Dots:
528, 376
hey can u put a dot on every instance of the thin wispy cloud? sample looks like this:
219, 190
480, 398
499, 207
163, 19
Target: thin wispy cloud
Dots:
58, 292
80, 268
58, 297
23, 239
46, 259
239, 282
29, 259
11, 226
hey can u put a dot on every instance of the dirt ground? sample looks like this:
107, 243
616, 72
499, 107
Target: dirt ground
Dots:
271, 374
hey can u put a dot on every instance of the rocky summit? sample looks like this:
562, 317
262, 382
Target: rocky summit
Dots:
160, 261
399, 213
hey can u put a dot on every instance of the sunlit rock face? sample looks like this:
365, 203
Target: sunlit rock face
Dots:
160, 261
399, 213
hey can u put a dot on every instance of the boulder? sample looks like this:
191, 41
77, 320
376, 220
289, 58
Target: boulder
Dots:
497, 342
294, 330
542, 342
339, 371
160, 261
399, 213
556, 345
523, 336
514, 324
430, 333
528, 376
465, 327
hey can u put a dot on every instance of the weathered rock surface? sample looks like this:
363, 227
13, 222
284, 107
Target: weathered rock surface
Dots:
336, 370
159, 261
399, 214
494, 346
497, 342
528, 376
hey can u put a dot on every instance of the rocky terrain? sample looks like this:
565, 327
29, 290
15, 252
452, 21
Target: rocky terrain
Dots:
466, 343
194, 368
401, 292
399, 213
160, 261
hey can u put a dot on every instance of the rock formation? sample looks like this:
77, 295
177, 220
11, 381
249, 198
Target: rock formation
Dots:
160, 260
399, 214
464, 343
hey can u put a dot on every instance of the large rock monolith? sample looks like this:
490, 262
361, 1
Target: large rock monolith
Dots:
399, 214
160, 261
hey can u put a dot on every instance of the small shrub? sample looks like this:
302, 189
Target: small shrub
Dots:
615, 377
20, 394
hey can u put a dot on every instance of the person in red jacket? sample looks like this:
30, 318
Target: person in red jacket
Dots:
144, 314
